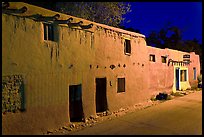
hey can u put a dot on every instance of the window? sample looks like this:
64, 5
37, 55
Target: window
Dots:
194, 73
152, 57
121, 85
163, 59
48, 31
183, 75
127, 46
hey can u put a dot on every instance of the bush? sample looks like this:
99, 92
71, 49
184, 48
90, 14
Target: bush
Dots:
162, 96
200, 81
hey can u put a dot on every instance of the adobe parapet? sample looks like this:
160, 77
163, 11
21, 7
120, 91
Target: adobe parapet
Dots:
32, 11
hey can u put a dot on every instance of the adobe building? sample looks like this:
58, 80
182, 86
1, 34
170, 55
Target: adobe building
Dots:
58, 69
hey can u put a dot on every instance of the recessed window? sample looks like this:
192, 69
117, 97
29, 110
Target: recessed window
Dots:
163, 59
152, 57
194, 73
121, 85
48, 31
183, 75
127, 46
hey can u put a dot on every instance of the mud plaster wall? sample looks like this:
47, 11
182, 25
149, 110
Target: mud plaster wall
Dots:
49, 68
110, 51
162, 75
76, 57
195, 63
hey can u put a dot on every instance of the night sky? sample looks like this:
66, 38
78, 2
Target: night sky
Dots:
152, 16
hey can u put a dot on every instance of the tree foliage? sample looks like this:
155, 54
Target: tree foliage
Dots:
109, 13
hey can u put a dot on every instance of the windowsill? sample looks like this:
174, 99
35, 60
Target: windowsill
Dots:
121, 92
128, 54
49, 42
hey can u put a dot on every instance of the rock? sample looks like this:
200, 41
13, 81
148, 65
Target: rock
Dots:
108, 113
83, 125
121, 109
72, 125
109, 118
86, 120
92, 117
49, 132
64, 127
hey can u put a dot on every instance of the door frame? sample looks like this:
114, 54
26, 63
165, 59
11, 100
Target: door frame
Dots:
177, 78
80, 102
105, 101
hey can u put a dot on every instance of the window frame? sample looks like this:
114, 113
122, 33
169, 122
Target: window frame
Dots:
194, 73
121, 88
127, 46
165, 59
152, 59
48, 31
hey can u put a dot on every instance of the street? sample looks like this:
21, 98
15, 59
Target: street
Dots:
179, 116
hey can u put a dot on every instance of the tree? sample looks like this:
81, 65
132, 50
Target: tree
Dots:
109, 13
129, 29
50, 5
194, 46
169, 37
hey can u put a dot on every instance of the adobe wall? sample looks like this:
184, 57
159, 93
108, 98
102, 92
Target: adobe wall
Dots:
161, 76
76, 57
110, 51
48, 68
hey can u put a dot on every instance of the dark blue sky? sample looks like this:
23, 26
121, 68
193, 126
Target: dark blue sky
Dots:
152, 16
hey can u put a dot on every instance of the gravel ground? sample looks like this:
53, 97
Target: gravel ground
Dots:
100, 117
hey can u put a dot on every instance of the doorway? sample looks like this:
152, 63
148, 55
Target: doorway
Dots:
177, 78
101, 100
75, 103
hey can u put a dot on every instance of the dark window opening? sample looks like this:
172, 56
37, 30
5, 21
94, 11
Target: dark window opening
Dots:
163, 59
121, 85
152, 57
48, 31
127, 46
